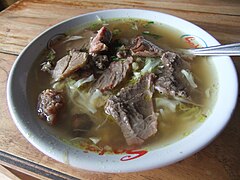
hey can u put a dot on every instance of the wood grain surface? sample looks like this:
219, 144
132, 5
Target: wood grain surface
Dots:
24, 20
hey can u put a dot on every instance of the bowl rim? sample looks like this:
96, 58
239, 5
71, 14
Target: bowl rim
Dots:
112, 165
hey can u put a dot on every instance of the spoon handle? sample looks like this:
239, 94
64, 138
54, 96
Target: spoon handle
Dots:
220, 50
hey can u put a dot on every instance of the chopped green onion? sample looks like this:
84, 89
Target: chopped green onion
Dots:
156, 36
187, 133
94, 26
202, 118
148, 23
114, 58
51, 56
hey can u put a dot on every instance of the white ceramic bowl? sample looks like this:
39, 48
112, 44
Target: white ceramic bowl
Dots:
132, 160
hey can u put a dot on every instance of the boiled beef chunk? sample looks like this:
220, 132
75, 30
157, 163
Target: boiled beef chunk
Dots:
132, 108
113, 75
170, 79
69, 64
145, 48
49, 104
100, 42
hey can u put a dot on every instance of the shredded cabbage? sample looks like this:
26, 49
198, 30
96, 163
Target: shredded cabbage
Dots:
101, 20
80, 139
135, 78
98, 99
166, 103
186, 111
82, 81
83, 100
163, 114
101, 124
58, 85
150, 65
189, 78
189, 112
95, 140
134, 26
207, 92
135, 66
186, 101
72, 38
98, 18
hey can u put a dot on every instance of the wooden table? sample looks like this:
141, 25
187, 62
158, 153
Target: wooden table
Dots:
24, 20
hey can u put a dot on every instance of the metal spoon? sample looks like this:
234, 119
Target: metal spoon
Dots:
220, 50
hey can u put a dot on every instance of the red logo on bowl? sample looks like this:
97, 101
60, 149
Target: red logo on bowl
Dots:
133, 154
194, 41
129, 154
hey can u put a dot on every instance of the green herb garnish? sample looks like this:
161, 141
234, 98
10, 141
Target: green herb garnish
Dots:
187, 133
156, 36
202, 118
114, 58
51, 55
94, 26
148, 24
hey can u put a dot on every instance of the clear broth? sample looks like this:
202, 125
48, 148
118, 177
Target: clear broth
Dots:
169, 130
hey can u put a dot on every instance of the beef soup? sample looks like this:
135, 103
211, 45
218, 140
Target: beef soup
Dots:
120, 83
